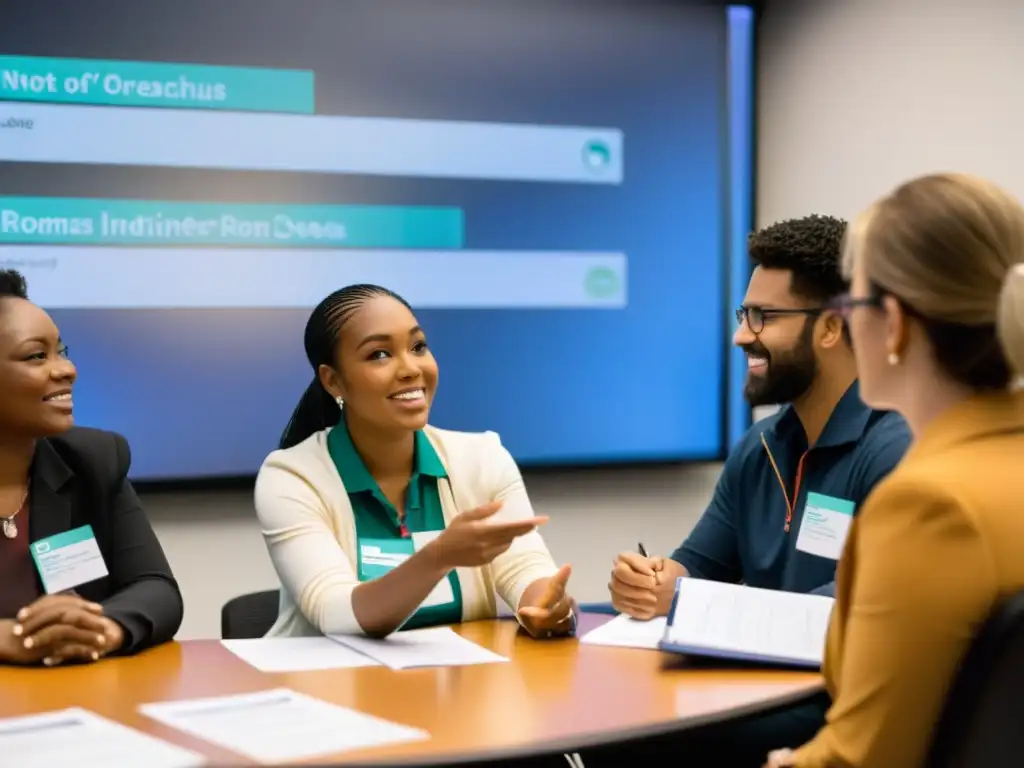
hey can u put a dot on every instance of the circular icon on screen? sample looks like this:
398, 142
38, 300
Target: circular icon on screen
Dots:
597, 155
601, 283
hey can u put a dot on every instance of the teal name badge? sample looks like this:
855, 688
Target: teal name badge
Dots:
825, 525
68, 560
378, 556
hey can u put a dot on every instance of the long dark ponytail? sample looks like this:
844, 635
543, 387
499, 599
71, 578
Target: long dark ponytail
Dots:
317, 410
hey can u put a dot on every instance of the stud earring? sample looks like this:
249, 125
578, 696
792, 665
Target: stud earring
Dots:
894, 359
340, 401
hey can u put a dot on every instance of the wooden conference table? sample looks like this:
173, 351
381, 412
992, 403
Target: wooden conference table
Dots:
554, 696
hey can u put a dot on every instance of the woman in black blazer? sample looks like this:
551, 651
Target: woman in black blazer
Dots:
56, 478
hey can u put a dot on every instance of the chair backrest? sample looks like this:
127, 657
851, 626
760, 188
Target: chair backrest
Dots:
980, 725
249, 616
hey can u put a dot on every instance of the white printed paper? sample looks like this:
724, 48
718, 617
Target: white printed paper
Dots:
79, 738
296, 654
433, 647
626, 632
279, 725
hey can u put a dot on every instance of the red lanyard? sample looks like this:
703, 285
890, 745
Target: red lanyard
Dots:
790, 505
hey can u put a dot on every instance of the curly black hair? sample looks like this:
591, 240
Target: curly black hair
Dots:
12, 285
810, 248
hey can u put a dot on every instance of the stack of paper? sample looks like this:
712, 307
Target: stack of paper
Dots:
745, 623
79, 738
434, 647
626, 632
276, 726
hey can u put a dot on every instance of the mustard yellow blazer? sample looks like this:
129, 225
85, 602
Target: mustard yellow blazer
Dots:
932, 550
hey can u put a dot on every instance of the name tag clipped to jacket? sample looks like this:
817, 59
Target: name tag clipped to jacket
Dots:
378, 556
68, 560
825, 525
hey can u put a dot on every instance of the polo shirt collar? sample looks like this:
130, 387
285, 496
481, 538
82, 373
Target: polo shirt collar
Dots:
357, 477
425, 460
845, 425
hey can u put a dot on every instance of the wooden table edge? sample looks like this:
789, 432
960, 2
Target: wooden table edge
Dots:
606, 738
481, 632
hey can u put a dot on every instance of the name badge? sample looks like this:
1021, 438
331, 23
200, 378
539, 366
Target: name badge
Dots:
824, 526
68, 560
378, 556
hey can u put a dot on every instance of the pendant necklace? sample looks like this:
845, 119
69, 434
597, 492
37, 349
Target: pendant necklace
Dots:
10, 527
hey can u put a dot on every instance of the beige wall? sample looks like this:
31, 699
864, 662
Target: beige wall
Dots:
855, 96
858, 95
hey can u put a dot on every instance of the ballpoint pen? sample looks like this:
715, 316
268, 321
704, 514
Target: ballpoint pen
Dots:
640, 547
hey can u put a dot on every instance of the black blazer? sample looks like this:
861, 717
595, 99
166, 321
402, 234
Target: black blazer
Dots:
81, 478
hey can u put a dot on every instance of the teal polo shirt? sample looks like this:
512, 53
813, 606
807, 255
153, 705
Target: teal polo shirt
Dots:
380, 528
744, 535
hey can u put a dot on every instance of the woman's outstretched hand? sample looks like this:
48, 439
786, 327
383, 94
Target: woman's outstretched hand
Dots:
473, 539
551, 614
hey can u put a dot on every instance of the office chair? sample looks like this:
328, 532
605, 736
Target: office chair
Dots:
249, 616
980, 725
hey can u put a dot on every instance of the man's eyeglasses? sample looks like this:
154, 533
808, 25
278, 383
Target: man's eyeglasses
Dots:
845, 304
755, 316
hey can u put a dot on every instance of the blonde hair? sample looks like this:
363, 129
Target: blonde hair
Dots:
950, 248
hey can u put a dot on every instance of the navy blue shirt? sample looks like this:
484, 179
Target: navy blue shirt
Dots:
742, 536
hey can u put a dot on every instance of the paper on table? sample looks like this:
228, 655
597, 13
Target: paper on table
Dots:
296, 654
433, 647
740, 622
85, 740
279, 725
626, 632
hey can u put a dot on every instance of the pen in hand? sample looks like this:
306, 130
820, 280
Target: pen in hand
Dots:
643, 552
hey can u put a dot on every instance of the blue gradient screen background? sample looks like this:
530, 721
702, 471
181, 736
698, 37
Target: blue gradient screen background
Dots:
205, 393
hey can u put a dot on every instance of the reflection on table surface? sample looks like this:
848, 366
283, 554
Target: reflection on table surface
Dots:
554, 693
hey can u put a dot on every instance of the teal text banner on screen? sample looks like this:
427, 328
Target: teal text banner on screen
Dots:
97, 221
156, 84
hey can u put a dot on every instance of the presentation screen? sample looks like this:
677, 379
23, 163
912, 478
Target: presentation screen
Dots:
181, 181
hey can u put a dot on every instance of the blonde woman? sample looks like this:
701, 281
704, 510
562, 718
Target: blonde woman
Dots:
937, 316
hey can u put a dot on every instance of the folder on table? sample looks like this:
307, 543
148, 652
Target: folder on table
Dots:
731, 621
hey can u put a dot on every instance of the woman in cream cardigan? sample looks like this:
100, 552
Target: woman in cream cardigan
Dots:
376, 521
